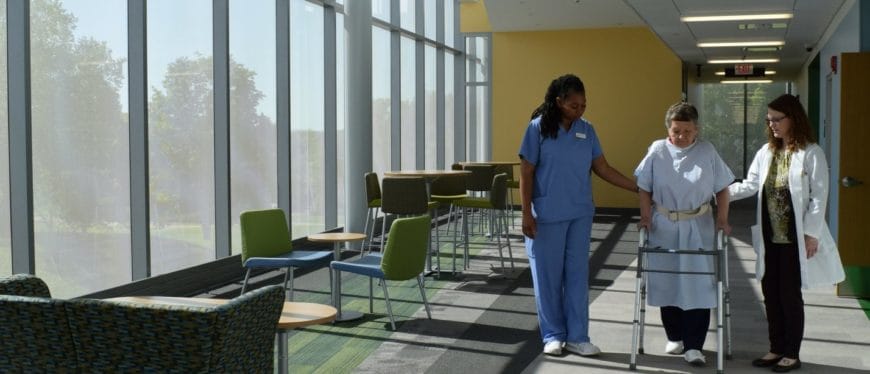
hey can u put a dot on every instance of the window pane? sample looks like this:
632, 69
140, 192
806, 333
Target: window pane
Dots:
381, 9
429, 18
409, 85
448, 22
180, 133
5, 236
449, 123
407, 14
431, 128
81, 179
380, 100
341, 108
253, 148
306, 118
722, 109
477, 58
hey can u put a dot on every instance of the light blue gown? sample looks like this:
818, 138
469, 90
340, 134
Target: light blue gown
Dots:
680, 180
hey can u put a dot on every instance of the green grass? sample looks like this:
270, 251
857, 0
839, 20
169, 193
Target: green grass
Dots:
342, 347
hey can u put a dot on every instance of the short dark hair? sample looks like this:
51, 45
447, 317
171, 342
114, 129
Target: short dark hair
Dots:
682, 111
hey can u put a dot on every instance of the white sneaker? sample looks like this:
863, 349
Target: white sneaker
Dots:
583, 349
674, 348
553, 348
695, 357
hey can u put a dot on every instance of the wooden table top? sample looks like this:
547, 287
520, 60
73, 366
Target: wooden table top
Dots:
489, 163
332, 237
294, 314
425, 173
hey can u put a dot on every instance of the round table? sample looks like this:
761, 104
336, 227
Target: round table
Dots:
336, 238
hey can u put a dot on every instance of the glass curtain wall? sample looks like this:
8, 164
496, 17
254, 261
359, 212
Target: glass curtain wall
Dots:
81, 164
180, 133
306, 119
732, 118
81, 178
409, 104
253, 107
381, 111
477, 97
431, 126
5, 235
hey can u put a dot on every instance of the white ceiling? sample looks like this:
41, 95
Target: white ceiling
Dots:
811, 19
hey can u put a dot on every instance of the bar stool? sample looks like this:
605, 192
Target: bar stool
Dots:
448, 190
373, 200
407, 196
479, 182
496, 206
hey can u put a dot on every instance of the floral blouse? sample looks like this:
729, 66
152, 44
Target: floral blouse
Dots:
777, 197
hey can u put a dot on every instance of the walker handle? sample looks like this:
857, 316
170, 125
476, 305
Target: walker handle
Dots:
720, 239
643, 237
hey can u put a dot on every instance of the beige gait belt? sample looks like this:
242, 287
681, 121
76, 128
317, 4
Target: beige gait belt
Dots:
682, 215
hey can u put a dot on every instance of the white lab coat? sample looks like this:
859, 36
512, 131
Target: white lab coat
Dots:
808, 184
680, 180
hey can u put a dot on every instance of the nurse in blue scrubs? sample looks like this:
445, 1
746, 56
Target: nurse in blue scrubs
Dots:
559, 151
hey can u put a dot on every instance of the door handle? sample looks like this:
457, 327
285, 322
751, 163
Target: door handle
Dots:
851, 182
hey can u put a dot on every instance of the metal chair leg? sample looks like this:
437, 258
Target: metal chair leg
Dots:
389, 308
507, 238
245, 284
371, 302
423, 295
288, 276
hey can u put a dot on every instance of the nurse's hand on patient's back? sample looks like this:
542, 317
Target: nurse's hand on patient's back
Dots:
530, 228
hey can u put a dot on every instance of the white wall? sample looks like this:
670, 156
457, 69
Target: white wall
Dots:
843, 38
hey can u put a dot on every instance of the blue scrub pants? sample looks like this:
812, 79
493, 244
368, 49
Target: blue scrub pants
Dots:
559, 258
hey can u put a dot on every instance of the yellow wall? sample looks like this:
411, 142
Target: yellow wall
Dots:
630, 76
473, 17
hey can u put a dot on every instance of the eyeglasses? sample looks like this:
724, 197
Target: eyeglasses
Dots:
774, 120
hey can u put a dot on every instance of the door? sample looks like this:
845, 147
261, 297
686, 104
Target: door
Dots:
854, 183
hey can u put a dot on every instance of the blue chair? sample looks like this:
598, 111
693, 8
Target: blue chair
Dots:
404, 258
266, 244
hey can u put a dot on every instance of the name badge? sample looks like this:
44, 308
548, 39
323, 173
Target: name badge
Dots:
580, 135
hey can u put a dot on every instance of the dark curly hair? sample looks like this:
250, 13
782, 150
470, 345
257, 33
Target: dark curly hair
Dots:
801, 132
549, 110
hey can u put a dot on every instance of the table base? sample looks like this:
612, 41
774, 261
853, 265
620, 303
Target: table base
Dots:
348, 315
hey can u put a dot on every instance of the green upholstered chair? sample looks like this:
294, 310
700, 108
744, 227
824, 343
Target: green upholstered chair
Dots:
478, 183
266, 244
373, 202
512, 184
497, 208
447, 190
403, 258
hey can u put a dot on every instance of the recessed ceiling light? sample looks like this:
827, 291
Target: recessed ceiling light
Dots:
746, 61
746, 81
719, 73
769, 43
739, 17
762, 49
769, 72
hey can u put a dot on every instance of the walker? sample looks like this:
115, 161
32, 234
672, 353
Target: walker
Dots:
723, 310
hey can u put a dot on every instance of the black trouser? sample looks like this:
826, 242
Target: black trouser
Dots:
783, 301
690, 326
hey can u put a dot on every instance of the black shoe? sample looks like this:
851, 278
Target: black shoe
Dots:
787, 368
763, 363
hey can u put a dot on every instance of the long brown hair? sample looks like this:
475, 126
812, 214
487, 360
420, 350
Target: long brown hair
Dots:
801, 132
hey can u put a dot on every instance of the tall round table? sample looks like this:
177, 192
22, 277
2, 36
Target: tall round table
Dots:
336, 238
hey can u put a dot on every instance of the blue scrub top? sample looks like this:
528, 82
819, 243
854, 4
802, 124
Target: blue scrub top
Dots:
561, 190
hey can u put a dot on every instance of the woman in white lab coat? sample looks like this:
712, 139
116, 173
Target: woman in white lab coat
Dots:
794, 246
676, 181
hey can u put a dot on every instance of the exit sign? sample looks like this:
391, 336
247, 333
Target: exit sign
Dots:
743, 69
